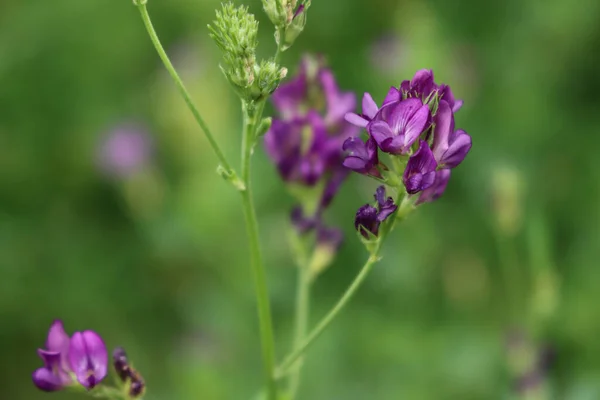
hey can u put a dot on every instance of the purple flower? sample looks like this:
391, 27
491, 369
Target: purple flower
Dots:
298, 148
126, 150
88, 358
362, 157
450, 147
420, 86
370, 109
54, 375
405, 123
368, 218
333, 185
438, 187
447, 95
420, 170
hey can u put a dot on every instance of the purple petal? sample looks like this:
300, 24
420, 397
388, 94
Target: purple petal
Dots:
386, 212
88, 358
51, 358
332, 187
392, 96
380, 195
460, 144
46, 380
457, 105
380, 131
338, 103
58, 341
420, 170
408, 120
356, 119
369, 107
289, 96
437, 188
444, 126
422, 82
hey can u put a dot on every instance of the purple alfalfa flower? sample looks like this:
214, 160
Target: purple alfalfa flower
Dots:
125, 150
423, 85
420, 86
370, 109
297, 148
88, 358
301, 222
55, 374
369, 218
420, 170
437, 189
450, 147
362, 156
405, 122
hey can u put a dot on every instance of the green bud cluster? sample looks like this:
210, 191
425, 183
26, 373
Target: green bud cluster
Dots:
289, 17
235, 31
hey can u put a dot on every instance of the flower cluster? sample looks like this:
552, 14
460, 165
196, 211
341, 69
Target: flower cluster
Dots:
82, 357
415, 127
305, 142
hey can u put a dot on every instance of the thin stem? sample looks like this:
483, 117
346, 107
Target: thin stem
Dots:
324, 323
251, 118
302, 311
184, 93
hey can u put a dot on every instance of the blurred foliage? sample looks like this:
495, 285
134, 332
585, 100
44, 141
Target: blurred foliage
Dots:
156, 261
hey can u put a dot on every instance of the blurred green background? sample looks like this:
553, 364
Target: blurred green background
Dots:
155, 260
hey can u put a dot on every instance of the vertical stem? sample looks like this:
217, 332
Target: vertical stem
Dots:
251, 118
302, 311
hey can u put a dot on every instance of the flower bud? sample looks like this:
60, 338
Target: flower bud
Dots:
295, 27
235, 32
268, 74
276, 11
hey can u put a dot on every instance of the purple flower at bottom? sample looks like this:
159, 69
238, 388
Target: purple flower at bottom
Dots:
438, 187
402, 127
420, 170
362, 157
54, 375
88, 358
368, 218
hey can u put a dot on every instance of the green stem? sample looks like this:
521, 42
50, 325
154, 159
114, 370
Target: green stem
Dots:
230, 174
324, 323
302, 311
251, 118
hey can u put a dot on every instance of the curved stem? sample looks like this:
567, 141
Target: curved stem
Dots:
230, 174
324, 323
251, 118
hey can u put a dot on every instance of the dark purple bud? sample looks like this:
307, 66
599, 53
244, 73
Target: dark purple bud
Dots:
120, 363
420, 170
362, 157
438, 187
54, 375
405, 123
366, 220
450, 147
137, 387
385, 205
88, 358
